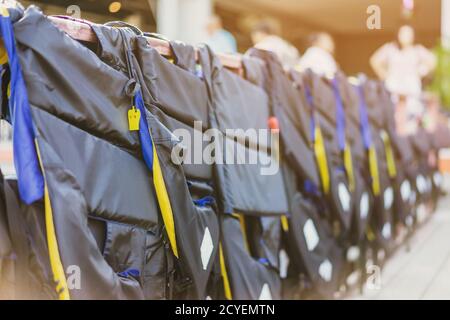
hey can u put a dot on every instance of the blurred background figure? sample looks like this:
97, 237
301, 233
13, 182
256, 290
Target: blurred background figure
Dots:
264, 37
220, 40
403, 64
319, 57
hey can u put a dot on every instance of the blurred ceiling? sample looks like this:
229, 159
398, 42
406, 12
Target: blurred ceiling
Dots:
341, 16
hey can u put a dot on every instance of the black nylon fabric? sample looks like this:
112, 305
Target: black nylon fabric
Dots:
292, 115
383, 219
362, 195
188, 217
340, 199
262, 282
80, 121
310, 242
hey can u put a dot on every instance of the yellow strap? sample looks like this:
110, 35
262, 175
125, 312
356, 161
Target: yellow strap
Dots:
374, 173
4, 11
164, 202
223, 271
321, 158
3, 54
243, 229
370, 235
52, 242
285, 223
390, 159
348, 163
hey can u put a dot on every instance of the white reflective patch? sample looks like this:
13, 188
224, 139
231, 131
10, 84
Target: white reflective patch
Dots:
405, 190
326, 270
437, 178
344, 197
364, 206
388, 198
353, 254
387, 231
265, 293
206, 248
284, 264
421, 184
208, 298
311, 235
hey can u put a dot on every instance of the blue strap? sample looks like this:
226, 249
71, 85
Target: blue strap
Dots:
364, 118
144, 132
310, 100
26, 162
134, 273
340, 115
206, 201
311, 188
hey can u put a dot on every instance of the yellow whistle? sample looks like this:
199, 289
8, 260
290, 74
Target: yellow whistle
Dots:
134, 117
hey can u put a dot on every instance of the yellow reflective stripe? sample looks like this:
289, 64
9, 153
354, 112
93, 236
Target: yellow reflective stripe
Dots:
4, 11
243, 230
223, 271
370, 235
321, 158
3, 54
390, 159
52, 242
285, 223
348, 163
164, 202
373, 167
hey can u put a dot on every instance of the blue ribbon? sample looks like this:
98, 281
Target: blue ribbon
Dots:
134, 273
340, 115
29, 175
206, 201
364, 118
144, 132
310, 100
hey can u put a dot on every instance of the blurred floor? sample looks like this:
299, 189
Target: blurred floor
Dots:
423, 272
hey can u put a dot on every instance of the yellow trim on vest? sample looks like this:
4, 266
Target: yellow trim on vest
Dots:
53, 250
4, 11
285, 223
3, 54
321, 158
164, 202
390, 159
374, 173
348, 163
223, 271
243, 229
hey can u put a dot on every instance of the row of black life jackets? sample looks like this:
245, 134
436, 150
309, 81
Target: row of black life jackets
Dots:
100, 209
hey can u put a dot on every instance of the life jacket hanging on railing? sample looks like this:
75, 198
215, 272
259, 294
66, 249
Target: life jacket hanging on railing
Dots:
319, 144
368, 143
344, 146
30, 172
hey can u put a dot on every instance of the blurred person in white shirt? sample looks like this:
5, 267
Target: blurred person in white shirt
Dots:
264, 37
319, 57
403, 64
